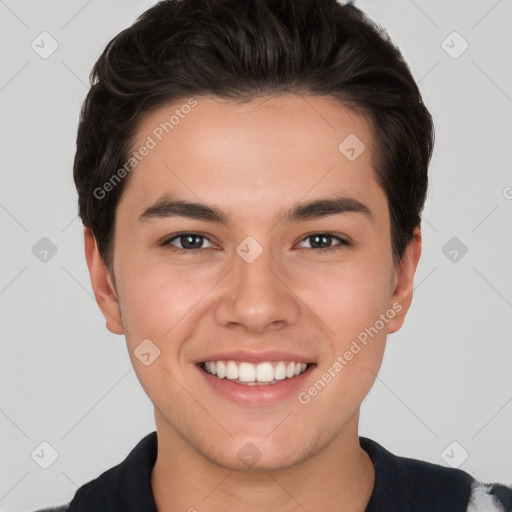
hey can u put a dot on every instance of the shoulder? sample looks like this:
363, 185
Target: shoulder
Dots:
404, 483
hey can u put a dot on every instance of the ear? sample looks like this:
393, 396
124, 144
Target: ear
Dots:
101, 282
404, 280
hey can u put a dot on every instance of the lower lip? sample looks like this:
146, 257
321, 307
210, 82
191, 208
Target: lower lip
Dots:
264, 394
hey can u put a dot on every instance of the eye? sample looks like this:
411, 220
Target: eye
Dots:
323, 239
190, 242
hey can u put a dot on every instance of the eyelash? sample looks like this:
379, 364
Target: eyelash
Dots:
343, 243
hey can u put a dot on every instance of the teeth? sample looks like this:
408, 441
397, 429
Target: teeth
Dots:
232, 371
251, 374
247, 372
221, 369
264, 372
280, 371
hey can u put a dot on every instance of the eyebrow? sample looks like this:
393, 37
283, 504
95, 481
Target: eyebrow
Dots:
316, 209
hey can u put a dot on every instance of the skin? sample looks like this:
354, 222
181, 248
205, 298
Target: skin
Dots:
254, 161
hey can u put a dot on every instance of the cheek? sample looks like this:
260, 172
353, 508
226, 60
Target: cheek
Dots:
156, 305
351, 304
156, 301
348, 297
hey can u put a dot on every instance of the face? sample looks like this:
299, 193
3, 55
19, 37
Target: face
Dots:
282, 265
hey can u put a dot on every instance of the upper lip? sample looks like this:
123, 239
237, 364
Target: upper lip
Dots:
251, 356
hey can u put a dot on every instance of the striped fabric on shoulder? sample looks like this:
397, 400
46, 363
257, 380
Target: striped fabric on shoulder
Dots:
490, 498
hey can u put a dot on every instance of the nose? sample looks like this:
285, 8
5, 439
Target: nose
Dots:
256, 296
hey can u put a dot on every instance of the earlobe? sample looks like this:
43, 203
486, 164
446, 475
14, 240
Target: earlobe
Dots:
102, 285
405, 271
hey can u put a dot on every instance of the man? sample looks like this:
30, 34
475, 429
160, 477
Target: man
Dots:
251, 175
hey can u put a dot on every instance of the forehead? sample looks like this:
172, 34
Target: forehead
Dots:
258, 152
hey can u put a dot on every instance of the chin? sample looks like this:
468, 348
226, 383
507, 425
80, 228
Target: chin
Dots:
259, 455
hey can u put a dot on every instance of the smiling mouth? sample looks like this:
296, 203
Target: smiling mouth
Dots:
260, 374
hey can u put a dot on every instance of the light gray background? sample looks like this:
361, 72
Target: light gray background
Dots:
67, 381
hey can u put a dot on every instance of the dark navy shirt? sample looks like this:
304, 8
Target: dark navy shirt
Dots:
401, 485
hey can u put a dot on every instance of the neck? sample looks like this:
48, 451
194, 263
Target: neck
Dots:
340, 477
